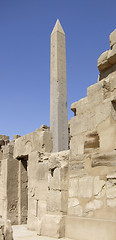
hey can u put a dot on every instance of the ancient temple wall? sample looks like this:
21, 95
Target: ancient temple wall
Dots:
1, 190
40, 140
1, 185
53, 223
3, 141
37, 188
92, 163
9, 175
48, 192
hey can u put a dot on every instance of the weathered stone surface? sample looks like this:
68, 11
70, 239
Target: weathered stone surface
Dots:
16, 136
77, 145
39, 140
111, 203
111, 175
57, 201
79, 107
59, 159
99, 187
104, 159
103, 111
83, 228
102, 62
57, 179
58, 171
76, 166
91, 140
58, 90
111, 189
85, 187
6, 232
93, 205
112, 55
53, 226
112, 38
74, 208
73, 187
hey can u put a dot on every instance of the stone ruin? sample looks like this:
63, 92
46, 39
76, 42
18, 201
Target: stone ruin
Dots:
66, 192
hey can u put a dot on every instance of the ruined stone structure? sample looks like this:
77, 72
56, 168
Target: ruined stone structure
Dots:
69, 193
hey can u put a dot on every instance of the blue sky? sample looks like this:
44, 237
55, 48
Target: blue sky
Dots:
25, 28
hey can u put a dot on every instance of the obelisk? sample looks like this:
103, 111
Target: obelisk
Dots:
58, 90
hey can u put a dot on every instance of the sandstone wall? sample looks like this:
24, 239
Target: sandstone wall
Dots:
3, 141
40, 140
92, 163
10, 185
6, 232
53, 223
48, 192
37, 188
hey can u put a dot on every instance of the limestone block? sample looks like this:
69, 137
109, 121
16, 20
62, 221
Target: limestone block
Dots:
102, 62
79, 124
112, 38
112, 82
76, 166
77, 145
1, 235
39, 192
40, 141
85, 187
8, 231
57, 179
103, 111
111, 189
111, 175
93, 89
82, 228
80, 106
42, 171
34, 224
1, 225
57, 201
47, 141
32, 207
74, 208
41, 209
4, 140
53, 226
111, 203
104, 159
73, 187
59, 159
93, 205
95, 95
99, 187
108, 138
112, 55
8, 151
91, 140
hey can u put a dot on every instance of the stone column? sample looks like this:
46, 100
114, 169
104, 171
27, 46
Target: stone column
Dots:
58, 90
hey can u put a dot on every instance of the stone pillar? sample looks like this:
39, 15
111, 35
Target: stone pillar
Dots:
58, 90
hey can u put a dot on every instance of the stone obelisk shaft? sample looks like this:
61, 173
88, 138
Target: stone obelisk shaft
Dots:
58, 90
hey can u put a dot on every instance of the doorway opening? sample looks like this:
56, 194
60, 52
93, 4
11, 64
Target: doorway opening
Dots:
23, 190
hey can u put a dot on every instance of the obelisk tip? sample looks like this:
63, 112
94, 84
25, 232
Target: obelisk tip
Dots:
58, 27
